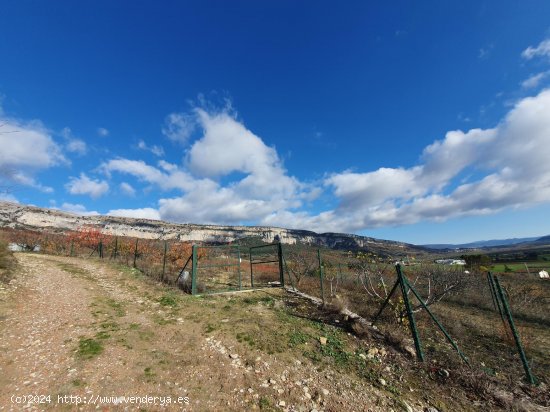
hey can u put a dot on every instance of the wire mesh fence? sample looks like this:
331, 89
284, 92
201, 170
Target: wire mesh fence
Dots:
463, 301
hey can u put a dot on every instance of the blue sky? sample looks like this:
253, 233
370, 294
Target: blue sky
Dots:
423, 122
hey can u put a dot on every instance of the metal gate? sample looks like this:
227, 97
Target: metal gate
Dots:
266, 266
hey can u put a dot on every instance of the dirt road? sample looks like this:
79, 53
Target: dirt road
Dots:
84, 335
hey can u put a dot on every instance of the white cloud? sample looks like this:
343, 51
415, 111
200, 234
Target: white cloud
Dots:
231, 176
156, 150
255, 182
145, 213
176, 179
542, 50
27, 148
86, 186
77, 209
511, 159
28, 145
535, 80
20, 178
73, 144
178, 127
101, 131
127, 189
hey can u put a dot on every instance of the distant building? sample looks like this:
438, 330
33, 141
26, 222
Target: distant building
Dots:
452, 262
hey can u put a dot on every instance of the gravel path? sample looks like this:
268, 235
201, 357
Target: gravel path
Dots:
85, 335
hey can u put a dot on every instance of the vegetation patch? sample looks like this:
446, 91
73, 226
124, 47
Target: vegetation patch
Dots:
74, 270
168, 300
89, 348
7, 263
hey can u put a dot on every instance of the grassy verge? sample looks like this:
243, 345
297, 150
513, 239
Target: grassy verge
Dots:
7, 262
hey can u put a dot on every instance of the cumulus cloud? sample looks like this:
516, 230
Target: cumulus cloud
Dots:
535, 80
77, 209
178, 127
541, 50
27, 148
72, 143
175, 179
225, 149
83, 185
28, 145
156, 150
510, 158
144, 213
231, 176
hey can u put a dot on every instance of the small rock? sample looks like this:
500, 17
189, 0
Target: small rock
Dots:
444, 373
363, 356
323, 340
406, 406
430, 409
410, 351
282, 403
325, 392
307, 395
234, 356
272, 381
382, 381
372, 352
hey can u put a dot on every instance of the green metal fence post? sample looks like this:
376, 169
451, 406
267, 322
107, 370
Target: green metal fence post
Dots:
281, 271
491, 289
321, 275
194, 271
239, 267
251, 269
439, 325
135, 252
497, 301
164, 261
410, 315
72, 248
101, 249
526, 367
116, 248
387, 300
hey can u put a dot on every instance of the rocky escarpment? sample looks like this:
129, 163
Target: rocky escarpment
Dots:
33, 218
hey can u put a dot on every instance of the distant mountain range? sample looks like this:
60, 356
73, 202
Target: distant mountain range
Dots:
489, 243
17, 216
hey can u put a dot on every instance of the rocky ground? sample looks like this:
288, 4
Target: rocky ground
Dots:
84, 335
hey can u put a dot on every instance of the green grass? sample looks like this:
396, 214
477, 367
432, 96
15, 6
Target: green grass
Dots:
75, 270
89, 348
519, 267
168, 300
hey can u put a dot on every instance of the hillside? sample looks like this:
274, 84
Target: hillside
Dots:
483, 243
18, 216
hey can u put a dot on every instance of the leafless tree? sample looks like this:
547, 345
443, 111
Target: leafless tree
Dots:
300, 263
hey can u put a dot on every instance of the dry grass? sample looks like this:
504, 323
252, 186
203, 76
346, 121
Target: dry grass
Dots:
7, 262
